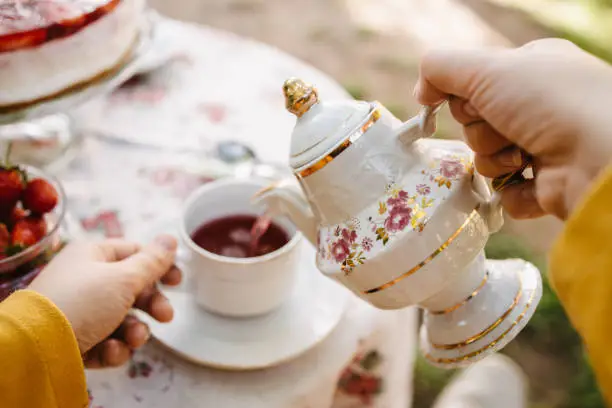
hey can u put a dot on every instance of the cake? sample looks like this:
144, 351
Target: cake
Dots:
50, 47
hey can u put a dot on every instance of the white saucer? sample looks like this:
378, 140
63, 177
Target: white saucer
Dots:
207, 339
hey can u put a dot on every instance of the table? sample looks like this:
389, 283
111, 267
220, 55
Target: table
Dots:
146, 147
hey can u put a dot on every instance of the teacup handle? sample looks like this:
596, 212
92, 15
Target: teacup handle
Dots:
422, 125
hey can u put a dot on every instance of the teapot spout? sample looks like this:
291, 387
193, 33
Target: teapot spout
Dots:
283, 198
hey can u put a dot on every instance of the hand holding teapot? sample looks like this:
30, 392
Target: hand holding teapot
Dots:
402, 219
549, 98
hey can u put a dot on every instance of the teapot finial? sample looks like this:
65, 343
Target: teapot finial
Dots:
299, 96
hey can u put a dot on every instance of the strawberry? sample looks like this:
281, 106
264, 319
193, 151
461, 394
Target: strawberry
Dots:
17, 213
11, 187
20, 40
39, 197
24, 234
37, 224
4, 238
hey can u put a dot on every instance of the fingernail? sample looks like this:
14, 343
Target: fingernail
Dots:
512, 158
470, 110
167, 242
131, 320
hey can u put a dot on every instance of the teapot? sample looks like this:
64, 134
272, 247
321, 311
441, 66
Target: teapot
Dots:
400, 219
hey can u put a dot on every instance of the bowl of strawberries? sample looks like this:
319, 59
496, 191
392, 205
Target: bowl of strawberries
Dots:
32, 206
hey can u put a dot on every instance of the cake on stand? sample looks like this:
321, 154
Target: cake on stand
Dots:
36, 119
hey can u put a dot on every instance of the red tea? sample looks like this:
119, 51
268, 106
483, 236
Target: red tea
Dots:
240, 236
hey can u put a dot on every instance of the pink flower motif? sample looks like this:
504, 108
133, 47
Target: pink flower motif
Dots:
423, 189
400, 200
367, 244
139, 369
216, 113
340, 250
349, 236
398, 218
108, 221
451, 168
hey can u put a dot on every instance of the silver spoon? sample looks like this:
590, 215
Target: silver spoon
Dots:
245, 162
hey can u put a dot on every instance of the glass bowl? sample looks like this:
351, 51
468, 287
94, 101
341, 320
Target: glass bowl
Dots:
17, 271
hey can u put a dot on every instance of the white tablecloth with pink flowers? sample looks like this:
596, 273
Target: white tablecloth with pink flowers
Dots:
146, 147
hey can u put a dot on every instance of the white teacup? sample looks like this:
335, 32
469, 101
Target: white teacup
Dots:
237, 287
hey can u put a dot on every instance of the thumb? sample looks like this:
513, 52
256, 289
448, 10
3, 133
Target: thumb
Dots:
151, 262
452, 72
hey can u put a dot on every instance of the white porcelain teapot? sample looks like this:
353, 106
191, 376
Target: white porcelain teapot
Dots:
402, 219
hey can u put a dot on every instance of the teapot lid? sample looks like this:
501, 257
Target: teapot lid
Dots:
320, 126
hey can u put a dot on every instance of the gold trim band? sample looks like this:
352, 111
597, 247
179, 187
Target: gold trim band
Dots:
430, 257
464, 301
488, 346
486, 331
319, 164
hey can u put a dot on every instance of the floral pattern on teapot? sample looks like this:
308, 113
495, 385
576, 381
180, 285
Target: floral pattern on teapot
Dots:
351, 243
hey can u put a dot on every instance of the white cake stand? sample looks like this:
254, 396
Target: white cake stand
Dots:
43, 134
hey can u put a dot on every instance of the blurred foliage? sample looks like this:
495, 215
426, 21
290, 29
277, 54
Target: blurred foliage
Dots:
356, 90
587, 23
366, 33
428, 382
583, 392
549, 332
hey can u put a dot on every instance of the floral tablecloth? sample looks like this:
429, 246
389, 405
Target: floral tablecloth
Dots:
146, 147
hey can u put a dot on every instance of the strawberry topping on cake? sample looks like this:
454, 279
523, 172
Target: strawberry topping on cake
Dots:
28, 23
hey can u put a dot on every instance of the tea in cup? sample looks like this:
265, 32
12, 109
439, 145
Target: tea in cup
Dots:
232, 271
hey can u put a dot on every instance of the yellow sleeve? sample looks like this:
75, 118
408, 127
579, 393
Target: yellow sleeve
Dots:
40, 362
581, 274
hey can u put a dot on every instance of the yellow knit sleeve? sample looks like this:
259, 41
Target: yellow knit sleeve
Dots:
581, 274
40, 363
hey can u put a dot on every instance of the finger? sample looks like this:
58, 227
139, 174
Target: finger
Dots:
143, 300
109, 353
450, 73
549, 45
479, 134
485, 140
520, 201
173, 277
463, 111
427, 94
117, 249
132, 332
550, 187
151, 262
506, 161
153, 302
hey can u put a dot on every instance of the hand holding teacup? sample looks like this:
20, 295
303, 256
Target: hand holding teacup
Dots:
96, 284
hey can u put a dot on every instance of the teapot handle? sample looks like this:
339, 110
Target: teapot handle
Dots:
422, 125
490, 204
